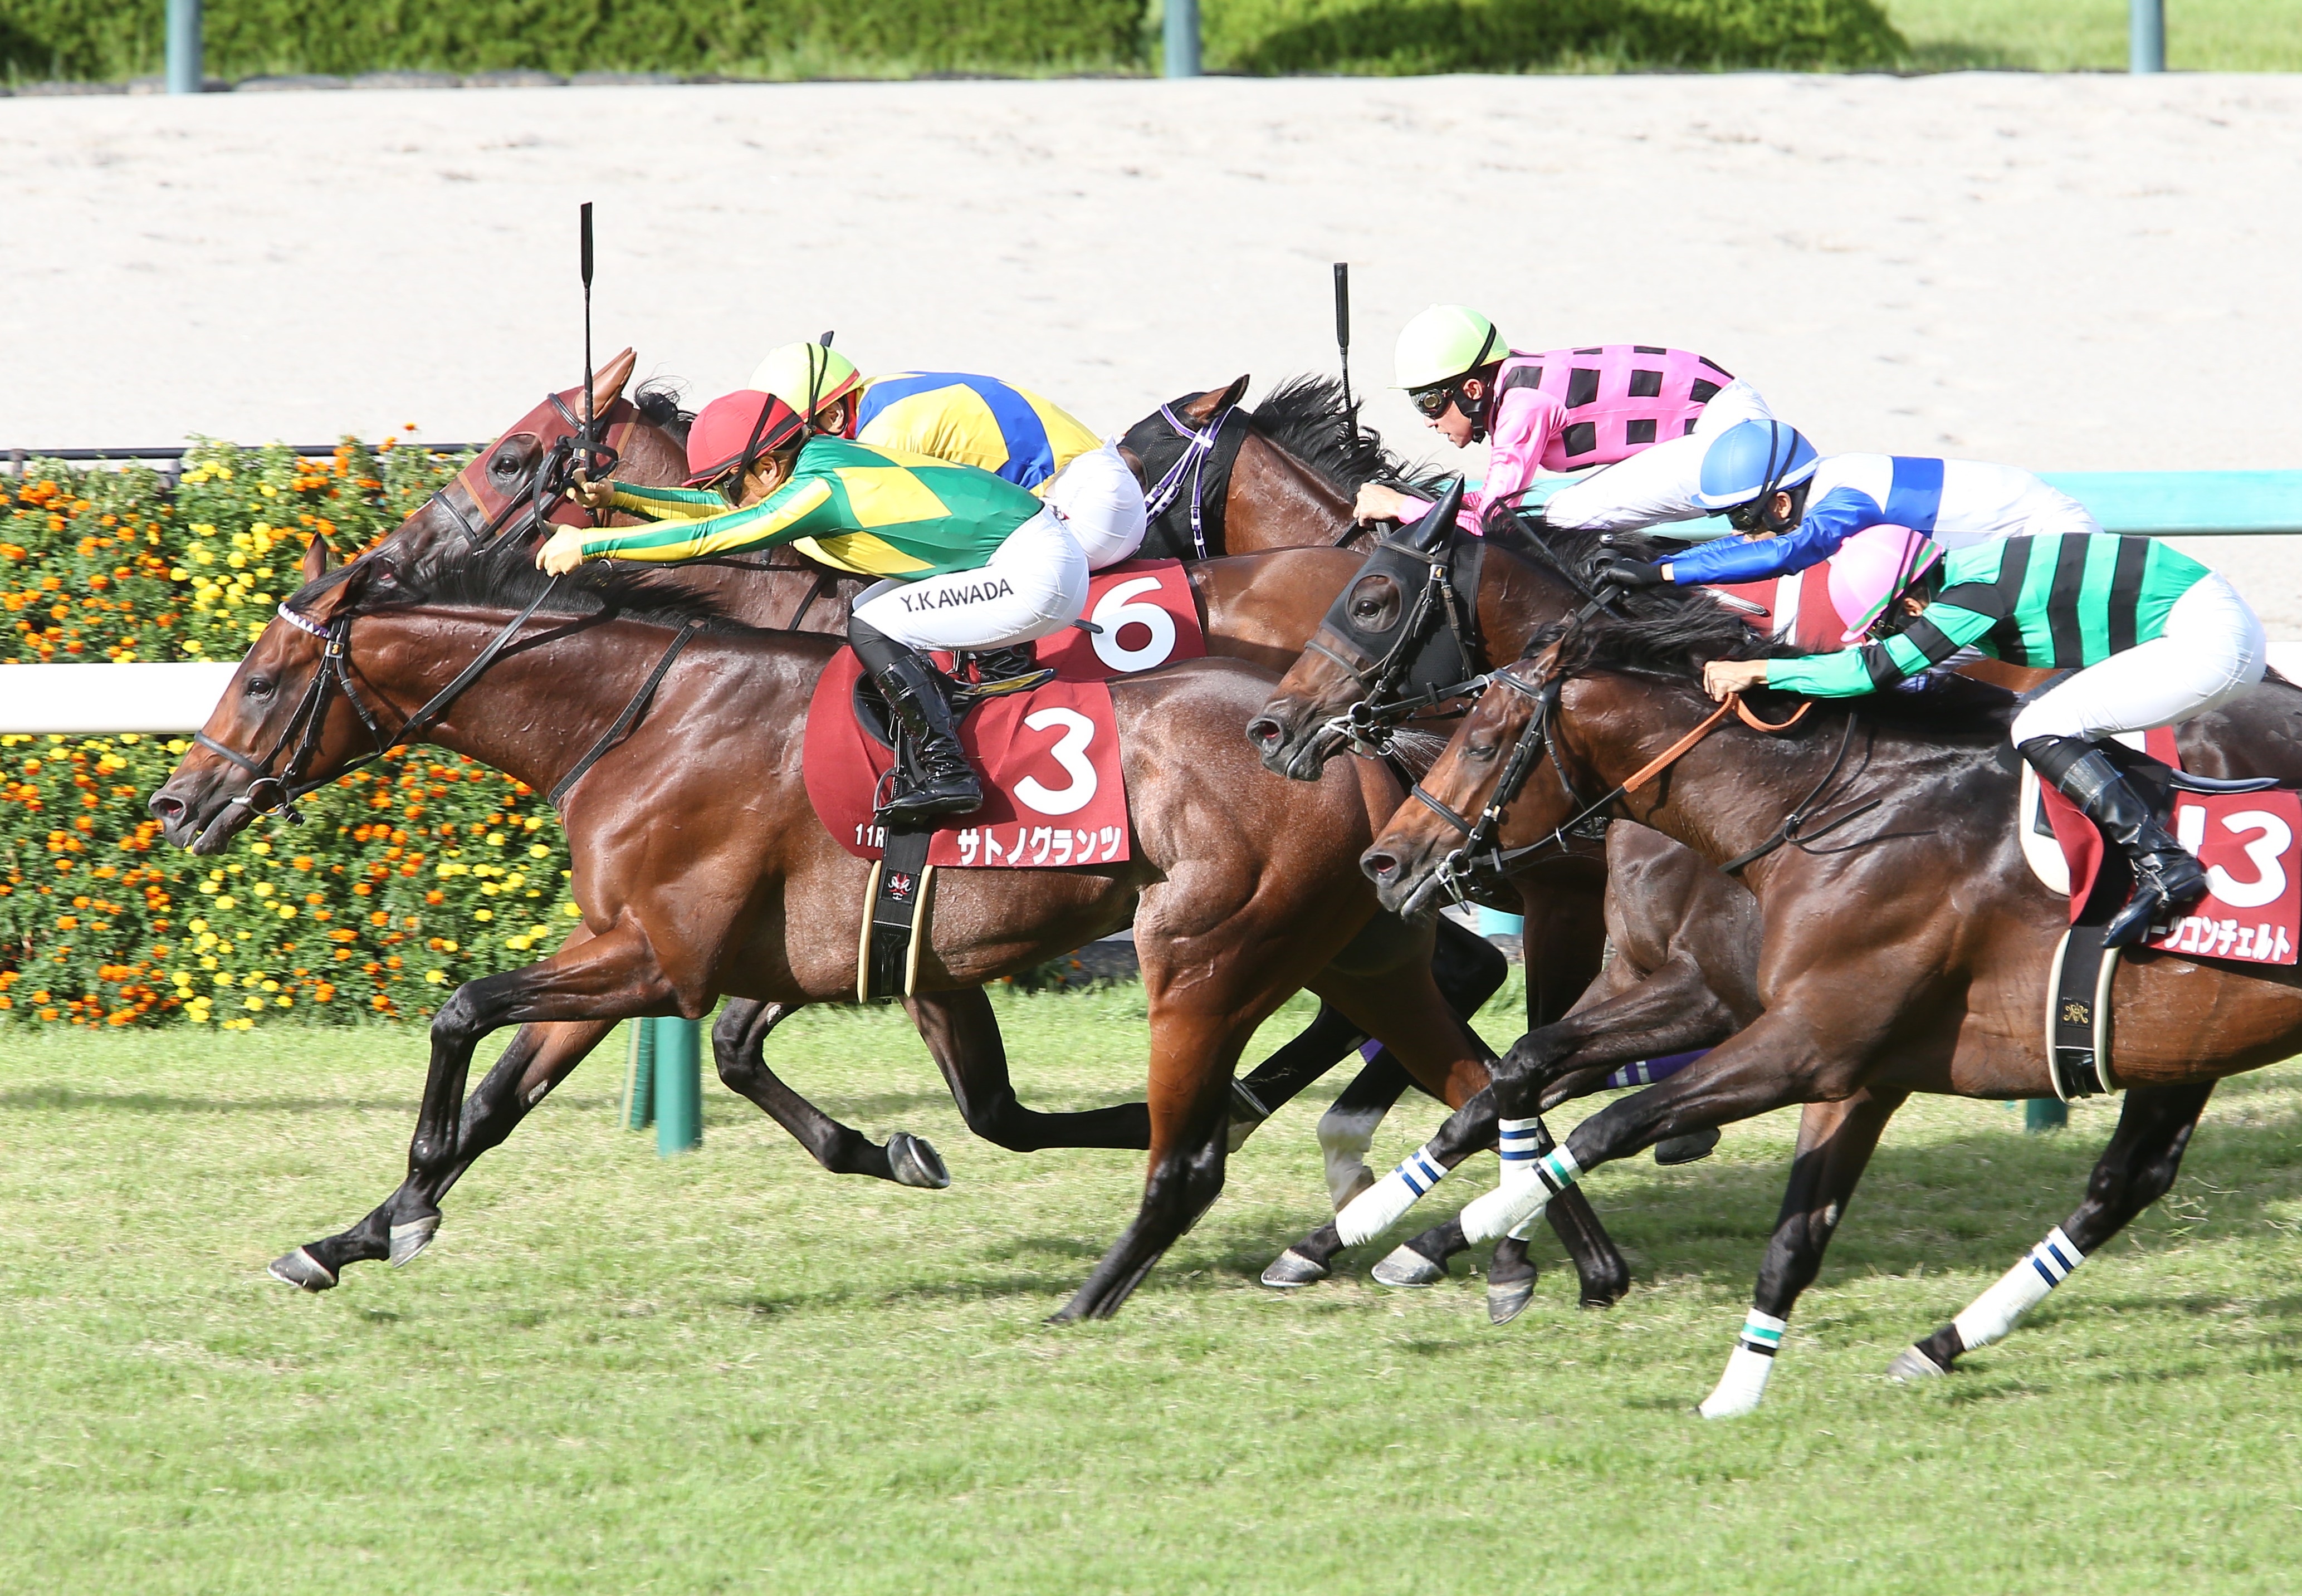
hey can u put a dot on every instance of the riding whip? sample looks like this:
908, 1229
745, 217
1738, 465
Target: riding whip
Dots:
1343, 341
584, 229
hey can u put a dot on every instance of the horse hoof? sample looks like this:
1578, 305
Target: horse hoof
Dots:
1910, 1364
300, 1268
1406, 1268
915, 1163
1507, 1301
1692, 1148
1290, 1269
412, 1237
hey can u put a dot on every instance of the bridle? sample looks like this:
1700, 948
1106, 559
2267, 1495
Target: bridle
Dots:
1441, 599
1480, 852
1192, 468
275, 793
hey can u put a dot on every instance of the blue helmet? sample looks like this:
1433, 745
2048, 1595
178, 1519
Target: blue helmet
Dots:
1751, 459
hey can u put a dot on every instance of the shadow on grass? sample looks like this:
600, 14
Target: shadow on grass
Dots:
40, 1099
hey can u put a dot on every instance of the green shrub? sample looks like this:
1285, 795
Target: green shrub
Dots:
101, 38
408, 878
1457, 36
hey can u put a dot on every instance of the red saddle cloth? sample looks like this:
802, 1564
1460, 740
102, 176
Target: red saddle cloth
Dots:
1054, 792
2248, 843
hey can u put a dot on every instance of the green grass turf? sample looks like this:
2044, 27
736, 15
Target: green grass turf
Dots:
2201, 36
731, 1372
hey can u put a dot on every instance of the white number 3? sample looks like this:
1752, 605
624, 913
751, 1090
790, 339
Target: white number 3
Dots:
2263, 849
1070, 752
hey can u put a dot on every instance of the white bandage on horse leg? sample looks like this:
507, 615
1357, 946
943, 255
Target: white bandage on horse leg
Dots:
2020, 1289
1529, 1183
1386, 1202
1345, 1135
1744, 1382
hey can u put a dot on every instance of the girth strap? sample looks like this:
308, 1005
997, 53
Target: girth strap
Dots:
625, 721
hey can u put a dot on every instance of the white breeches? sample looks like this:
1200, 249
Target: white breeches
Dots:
1102, 505
1034, 583
1658, 482
2211, 651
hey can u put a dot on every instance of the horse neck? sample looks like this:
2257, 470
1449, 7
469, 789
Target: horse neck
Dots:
1276, 501
1517, 598
1722, 797
534, 712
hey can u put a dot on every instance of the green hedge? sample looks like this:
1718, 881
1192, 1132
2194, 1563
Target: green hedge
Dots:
102, 38
406, 879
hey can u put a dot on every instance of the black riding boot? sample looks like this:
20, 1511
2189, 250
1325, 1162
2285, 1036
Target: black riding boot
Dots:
2167, 878
946, 784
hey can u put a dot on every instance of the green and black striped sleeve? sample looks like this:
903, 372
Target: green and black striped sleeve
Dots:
1961, 616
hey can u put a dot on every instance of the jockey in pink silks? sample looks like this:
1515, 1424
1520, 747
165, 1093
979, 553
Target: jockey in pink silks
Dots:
1644, 412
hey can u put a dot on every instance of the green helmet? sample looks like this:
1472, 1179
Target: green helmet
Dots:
807, 376
1445, 343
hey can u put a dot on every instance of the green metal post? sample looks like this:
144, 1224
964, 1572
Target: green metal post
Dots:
2145, 35
2044, 1113
639, 1078
187, 66
1181, 34
679, 1086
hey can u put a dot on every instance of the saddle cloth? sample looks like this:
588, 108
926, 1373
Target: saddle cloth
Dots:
1149, 618
2248, 842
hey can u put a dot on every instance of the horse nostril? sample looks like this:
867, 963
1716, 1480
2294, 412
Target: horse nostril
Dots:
1379, 866
1263, 731
164, 808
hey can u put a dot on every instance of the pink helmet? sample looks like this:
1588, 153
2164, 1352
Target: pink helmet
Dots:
737, 429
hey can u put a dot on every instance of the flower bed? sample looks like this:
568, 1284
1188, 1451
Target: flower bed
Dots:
408, 878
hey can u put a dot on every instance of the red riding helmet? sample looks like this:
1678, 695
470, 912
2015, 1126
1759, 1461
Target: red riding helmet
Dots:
737, 427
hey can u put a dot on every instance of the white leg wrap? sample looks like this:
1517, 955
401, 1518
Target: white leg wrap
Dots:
1382, 1204
1741, 1388
2021, 1289
1344, 1139
1529, 1183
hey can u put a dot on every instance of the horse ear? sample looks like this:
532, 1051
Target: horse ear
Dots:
1205, 406
317, 556
608, 381
1431, 533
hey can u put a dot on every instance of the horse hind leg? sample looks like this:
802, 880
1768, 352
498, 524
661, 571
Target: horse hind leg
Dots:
962, 1033
738, 1049
1346, 1132
2135, 1171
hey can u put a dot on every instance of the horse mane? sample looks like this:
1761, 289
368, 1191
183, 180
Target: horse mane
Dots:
502, 575
1670, 632
1306, 416
658, 402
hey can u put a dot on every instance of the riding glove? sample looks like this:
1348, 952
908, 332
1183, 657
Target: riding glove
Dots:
1630, 573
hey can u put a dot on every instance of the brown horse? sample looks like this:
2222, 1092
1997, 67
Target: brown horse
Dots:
1906, 953
703, 877
1255, 608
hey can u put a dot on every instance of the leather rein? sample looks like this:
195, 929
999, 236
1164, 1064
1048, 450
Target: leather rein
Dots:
1479, 852
275, 793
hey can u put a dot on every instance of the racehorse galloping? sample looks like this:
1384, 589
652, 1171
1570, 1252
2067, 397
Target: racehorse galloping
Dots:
702, 878
1907, 952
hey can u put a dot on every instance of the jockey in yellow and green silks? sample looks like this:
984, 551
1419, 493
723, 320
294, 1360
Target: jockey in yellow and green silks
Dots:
977, 421
968, 560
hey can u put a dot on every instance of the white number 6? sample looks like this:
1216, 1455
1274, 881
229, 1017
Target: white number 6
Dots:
1115, 611
1070, 752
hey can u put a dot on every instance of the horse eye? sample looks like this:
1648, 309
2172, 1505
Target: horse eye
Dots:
1481, 751
257, 688
504, 463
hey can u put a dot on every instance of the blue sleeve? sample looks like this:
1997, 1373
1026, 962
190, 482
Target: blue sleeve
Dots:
1828, 522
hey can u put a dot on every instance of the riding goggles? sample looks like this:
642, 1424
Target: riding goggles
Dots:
1432, 402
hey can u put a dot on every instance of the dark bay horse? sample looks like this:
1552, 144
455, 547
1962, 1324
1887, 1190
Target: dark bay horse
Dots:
1907, 952
701, 878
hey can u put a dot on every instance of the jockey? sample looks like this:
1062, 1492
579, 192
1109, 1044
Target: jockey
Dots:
1644, 411
1797, 506
2158, 638
967, 560
972, 421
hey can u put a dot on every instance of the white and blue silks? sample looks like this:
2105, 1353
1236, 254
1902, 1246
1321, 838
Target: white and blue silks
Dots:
1957, 503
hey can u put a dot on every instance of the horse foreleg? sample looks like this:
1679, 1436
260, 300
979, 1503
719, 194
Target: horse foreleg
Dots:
538, 1058
1564, 937
1835, 1141
962, 1033
2135, 1171
605, 979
